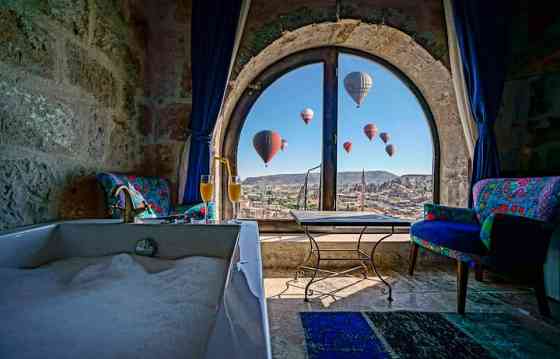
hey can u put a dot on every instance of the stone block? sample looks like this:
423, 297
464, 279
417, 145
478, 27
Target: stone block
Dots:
29, 189
172, 122
73, 15
163, 160
87, 73
82, 197
111, 31
36, 120
125, 143
24, 44
147, 120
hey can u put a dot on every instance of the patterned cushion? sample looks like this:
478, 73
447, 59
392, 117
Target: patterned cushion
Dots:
438, 212
197, 211
155, 191
533, 197
457, 236
444, 251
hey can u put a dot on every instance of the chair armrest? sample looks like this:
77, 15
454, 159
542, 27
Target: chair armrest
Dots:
516, 238
445, 213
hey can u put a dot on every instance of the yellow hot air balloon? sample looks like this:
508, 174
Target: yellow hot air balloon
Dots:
357, 84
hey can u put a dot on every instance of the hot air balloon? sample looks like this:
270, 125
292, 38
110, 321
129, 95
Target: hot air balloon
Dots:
284, 145
347, 146
357, 85
390, 149
307, 115
370, 130
384, 137
267, 143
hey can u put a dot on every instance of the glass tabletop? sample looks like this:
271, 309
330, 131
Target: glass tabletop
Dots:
346, 218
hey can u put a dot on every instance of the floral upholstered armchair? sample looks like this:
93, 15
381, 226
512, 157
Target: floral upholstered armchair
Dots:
154, 191
508, 229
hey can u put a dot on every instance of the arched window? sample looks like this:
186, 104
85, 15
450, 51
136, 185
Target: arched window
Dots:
328, 160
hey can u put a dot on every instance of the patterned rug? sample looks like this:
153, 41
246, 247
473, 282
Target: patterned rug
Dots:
404, 334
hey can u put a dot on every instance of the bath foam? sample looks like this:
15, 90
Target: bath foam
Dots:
110, 307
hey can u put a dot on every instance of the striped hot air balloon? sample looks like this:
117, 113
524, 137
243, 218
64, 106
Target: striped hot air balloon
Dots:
267, 143
357, 84
347, 146
384, 137
370, 130
307, 115
390, 149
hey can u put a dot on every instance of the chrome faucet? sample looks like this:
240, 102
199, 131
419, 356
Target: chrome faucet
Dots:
129, 210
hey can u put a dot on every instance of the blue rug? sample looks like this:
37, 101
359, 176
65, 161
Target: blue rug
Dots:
404, 334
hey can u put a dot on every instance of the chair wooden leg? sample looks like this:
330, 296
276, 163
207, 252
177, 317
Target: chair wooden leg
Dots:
462, 280
412, 259
478, 272
540, 291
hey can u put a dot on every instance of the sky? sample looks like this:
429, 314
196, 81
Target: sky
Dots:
390, 105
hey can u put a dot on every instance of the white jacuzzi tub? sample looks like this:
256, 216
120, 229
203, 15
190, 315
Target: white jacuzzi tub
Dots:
223, 260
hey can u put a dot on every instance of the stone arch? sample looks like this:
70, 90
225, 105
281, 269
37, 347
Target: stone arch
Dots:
430, 76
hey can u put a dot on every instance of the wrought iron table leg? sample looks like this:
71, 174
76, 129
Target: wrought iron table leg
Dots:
372, 261
358, 251
299, 269
318, 255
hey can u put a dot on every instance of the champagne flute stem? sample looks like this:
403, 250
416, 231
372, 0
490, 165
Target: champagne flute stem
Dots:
205, 212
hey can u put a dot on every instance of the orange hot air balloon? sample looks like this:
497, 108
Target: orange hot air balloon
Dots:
267, 144
390, 149
347, 146
307, 115
284, 145
370, 130
384, 137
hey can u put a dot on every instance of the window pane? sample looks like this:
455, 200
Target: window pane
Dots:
396, 185
271, 191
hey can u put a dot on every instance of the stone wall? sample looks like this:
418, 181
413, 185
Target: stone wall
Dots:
71, 75
166, 106
528, 128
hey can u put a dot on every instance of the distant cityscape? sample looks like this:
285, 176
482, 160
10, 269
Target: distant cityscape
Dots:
272, 197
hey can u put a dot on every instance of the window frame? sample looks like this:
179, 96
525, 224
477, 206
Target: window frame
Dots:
329, 57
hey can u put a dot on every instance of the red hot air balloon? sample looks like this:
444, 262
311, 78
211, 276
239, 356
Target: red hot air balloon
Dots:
347, 146
370, 130
307, 115
267, 143
390, 149
384, 137
284, 145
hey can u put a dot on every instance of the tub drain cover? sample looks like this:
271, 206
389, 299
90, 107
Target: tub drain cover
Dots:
146, 247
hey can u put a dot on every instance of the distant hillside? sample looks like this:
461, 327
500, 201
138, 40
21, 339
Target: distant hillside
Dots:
417, 183
344, 178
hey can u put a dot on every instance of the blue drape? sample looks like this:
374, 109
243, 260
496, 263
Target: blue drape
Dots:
482, 28
213, 29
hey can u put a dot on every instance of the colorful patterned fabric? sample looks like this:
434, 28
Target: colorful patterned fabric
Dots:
154, 190
469, 258
197, 211
438, 212
464, 237
533, 197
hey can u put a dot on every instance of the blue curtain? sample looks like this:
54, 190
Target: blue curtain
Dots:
482, 28
213, 29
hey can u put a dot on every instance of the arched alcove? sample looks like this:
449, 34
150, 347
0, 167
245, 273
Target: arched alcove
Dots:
429, 79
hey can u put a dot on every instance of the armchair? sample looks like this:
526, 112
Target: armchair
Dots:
508, 229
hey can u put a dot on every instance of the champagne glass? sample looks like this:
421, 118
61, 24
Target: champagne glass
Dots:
234, 193
206, 192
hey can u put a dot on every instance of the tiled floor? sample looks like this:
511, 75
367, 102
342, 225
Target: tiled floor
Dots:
432, 289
